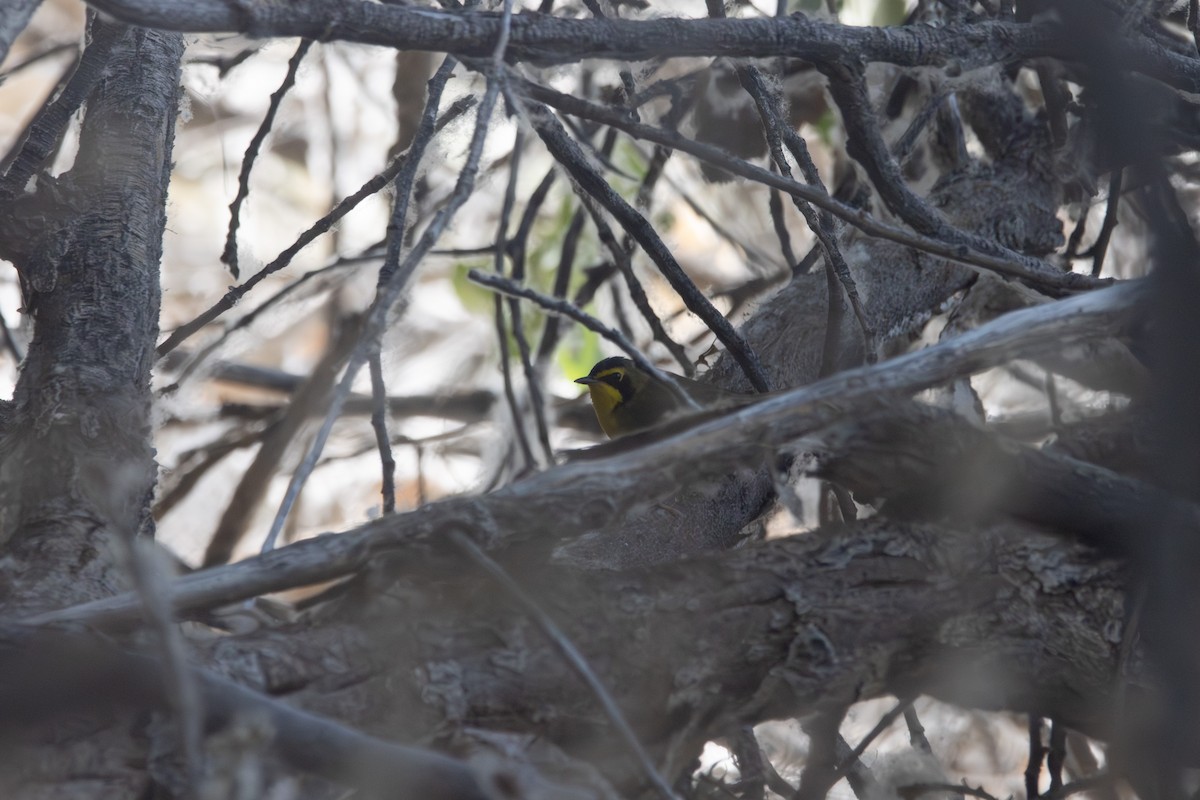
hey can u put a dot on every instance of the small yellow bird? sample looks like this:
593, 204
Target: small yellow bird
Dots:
627, 400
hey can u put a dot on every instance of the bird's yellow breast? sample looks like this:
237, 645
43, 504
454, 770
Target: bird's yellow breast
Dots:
605, 399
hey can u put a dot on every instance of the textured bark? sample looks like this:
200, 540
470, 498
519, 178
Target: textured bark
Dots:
77, 469
77, 464
902, 289
547, 39
996, 617
929, 463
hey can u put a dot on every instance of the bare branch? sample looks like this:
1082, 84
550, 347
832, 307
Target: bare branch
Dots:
570, 653
230, 255
547, 39
992, 256
49, 673
648, 471
321, 226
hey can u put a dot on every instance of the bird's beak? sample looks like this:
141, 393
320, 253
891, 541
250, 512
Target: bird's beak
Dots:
586, 381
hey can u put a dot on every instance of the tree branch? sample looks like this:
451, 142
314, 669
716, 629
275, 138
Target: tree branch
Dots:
547, 39
583, 490
47, 674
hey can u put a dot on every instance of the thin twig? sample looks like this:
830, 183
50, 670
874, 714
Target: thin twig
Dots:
620, 254
391, 283
510, 395
179, 484
533, 205
882, 725
847, 86
224, 64
324, 224
821, 224
41, 55
402, 188
570, 654
189, 366
645, 195
567, 152
532, 380
562, 281
387, 295
775, 205
230, 256
916, 731
254, 483
566, 309
387, 461
754, 254
516, 251
1100, 248
498, 251
903, 146
976, 251
1037, 752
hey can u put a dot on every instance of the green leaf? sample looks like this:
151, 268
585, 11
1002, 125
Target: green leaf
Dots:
889, 12
825, 126
474, 297
579, 352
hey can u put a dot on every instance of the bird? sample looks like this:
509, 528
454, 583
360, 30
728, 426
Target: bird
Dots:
627, 400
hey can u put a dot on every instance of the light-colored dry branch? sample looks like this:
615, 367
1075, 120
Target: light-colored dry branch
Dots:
584, 490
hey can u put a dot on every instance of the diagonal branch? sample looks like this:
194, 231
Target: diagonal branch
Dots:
582, 490
47, 673
588, 180
991, 257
